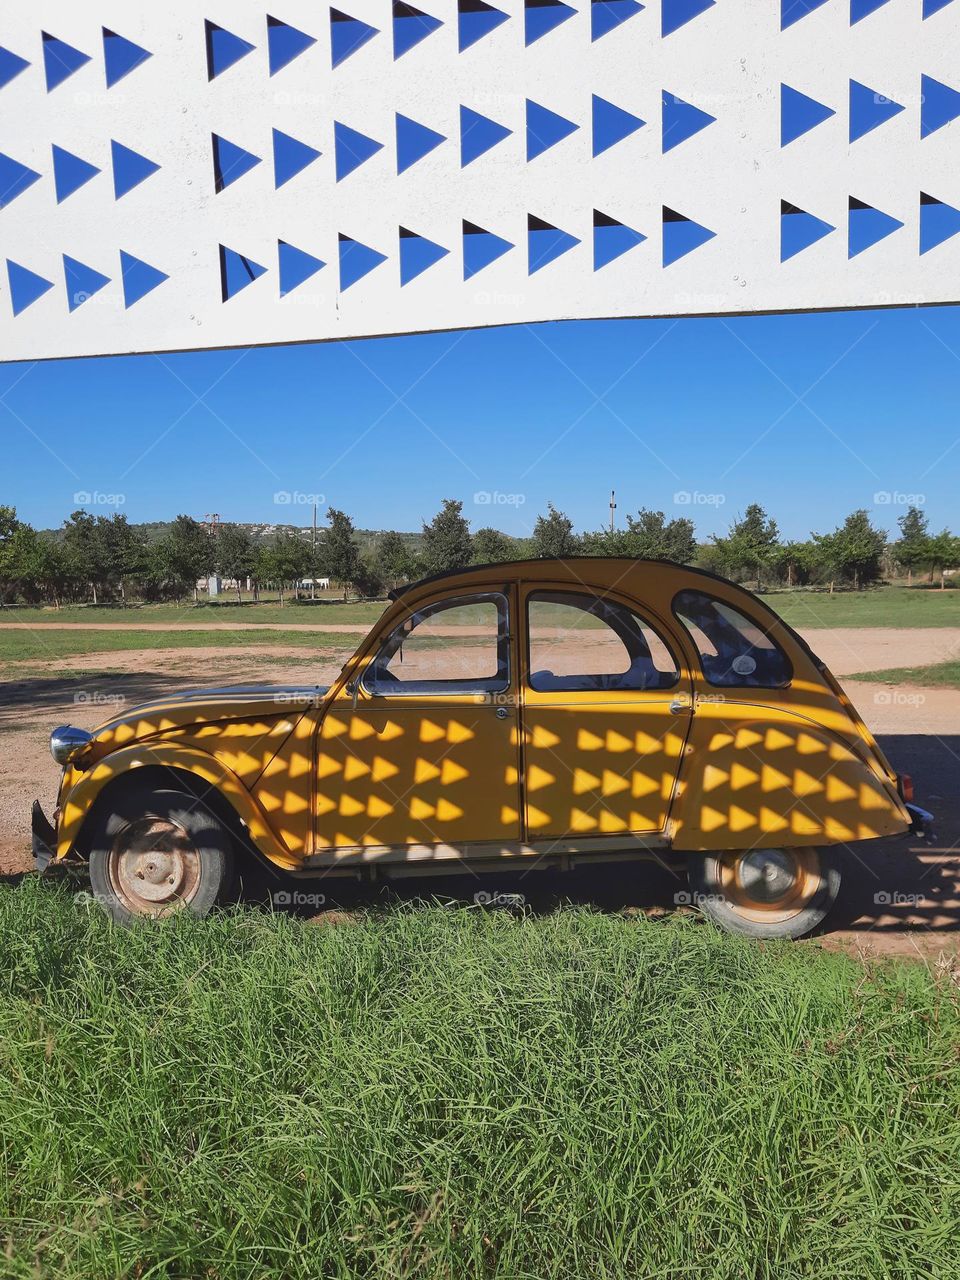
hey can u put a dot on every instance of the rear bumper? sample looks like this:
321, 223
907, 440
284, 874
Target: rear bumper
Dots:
44, 838
921, 822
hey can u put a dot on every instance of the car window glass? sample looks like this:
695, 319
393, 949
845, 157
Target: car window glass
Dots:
734, 650
454, 646
579, 641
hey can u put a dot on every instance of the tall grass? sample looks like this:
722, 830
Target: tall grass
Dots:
458, 1094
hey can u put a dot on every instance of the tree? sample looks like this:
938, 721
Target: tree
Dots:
124, 549
795, 562
392, 559
854, 551
490, 546
912, 548
943, 552
446, 539
286, 562
339, 553
752, 543
651, 536
183, 556
235, 554
553, 535
87, 551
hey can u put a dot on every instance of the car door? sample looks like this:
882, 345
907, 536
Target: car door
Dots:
606, 709
424, 749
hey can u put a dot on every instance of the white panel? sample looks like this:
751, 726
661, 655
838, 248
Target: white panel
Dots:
730, 177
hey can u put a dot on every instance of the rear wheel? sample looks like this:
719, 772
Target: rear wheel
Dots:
765, 893
156, 852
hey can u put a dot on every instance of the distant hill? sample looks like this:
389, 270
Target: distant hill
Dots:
154, 530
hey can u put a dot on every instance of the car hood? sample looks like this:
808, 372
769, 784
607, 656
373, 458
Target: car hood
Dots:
206, 706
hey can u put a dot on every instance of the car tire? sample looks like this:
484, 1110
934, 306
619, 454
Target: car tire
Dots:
155, 852
765, 893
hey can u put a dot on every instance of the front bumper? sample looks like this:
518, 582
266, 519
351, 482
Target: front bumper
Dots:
44, 838
921, 822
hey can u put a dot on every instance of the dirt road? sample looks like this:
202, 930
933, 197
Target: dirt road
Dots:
901, 897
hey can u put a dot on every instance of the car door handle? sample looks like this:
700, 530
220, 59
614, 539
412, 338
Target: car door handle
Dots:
677, 706
502, 713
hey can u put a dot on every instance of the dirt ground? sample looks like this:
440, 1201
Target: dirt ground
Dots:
899, 897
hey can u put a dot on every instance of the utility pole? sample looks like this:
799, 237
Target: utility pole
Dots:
613, 507
313, 566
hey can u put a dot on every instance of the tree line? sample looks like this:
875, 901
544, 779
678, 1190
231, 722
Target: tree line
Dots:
105, 559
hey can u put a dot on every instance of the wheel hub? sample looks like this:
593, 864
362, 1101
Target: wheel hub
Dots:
154, 867
767, 875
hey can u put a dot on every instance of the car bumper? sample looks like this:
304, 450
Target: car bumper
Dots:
44, 838
921, 822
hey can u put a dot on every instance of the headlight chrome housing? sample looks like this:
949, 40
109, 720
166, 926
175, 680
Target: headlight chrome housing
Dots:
67, 741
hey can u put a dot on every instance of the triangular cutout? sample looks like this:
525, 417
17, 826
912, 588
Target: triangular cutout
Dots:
130, 168
681, 235
792, 11
121, 56
869, 109
799, 114
480, 248
681, 120
611, 124
82, 281
605, 15
356, 261
417, 254
295, 266
938, 222
861, 8
930, 7
347, 35
290, 157
351, 149
477, 19
939, 104
478, 134
230, 162
11, 64
866, 226
799, 230
15, 178
410, 26
236, 272
542, 16
25, 286
545, 242
284, 43
138, 277
60, 60
414, 141
677, 13
545, 129
611, 239
70, 172
223, 48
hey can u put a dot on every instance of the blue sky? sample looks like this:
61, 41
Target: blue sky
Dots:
811, 415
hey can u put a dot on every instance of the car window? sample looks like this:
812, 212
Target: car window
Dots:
454, 646
579, 641
734, 649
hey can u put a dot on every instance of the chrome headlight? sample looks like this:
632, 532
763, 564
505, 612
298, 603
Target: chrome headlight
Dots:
66, 741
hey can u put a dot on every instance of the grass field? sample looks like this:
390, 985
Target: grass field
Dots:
943, 674
31, 646
882, 607
458, 1094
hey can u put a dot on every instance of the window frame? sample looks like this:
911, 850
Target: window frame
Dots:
752, 619
586, 592
481, 687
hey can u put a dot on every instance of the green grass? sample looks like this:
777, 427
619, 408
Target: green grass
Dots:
943, 674
29, 646
319, 614
881, 607
459, 1095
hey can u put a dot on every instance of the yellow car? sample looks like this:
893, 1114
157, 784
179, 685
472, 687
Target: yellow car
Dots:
545, 713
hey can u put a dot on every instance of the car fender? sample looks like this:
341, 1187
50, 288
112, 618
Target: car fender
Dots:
75, 804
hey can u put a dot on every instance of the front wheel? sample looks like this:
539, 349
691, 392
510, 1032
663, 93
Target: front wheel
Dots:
156, 852
765, 893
